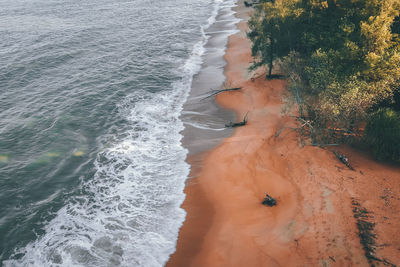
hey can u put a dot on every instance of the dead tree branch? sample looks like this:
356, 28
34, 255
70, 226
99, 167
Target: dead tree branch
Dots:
297, 96
305, 123
343, 159
237, 124
216, 92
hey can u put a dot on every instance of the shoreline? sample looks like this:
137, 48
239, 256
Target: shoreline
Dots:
313, 222
203, 118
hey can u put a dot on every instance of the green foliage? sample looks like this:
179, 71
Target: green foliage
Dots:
382, 133
268, 33
342, 57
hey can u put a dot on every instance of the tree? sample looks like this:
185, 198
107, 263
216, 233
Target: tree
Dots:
347, 56
269, 36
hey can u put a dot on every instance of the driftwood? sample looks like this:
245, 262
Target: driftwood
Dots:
216, 92
237, 124
268, 200
343, 159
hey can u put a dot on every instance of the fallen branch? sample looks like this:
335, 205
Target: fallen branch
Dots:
216, 92
237, 124
294, 129
308, 123
343, 159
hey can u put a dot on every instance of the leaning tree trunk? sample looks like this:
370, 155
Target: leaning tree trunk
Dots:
271, 56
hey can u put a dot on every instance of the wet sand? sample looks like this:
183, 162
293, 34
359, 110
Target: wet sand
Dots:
203, 118
313, 223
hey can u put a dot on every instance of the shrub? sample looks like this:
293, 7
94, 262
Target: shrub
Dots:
382, 133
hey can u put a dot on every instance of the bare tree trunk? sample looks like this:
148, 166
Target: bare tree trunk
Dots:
271, 56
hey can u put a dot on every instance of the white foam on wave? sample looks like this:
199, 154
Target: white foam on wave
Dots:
223, 31
129, 214
205, 127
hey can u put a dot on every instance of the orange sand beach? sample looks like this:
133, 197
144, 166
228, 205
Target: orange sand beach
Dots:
313, 223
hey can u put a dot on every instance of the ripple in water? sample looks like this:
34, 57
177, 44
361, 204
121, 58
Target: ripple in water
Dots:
129, 214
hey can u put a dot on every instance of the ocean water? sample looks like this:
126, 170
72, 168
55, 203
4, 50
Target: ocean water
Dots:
92, 169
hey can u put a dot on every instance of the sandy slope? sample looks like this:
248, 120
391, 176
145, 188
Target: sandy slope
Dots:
313, 223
